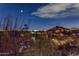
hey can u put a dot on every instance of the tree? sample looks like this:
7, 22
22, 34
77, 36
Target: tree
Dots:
25, 27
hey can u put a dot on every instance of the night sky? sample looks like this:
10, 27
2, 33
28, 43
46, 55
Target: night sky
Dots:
24, 14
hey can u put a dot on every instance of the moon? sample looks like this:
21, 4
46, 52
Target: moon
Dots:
22, 11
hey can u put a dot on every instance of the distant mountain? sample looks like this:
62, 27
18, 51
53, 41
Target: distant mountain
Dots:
56, 28
74, 28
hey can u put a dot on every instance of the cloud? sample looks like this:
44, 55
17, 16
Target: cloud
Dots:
57, 10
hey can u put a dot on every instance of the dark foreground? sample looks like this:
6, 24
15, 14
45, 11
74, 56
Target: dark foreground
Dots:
58, 42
